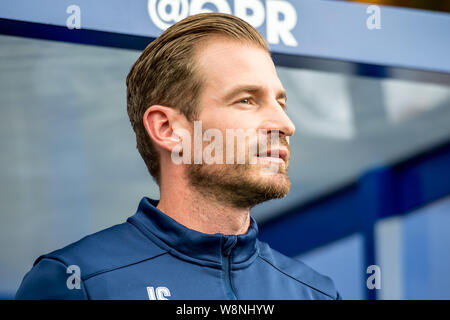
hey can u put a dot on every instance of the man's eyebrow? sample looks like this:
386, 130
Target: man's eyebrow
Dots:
251, 89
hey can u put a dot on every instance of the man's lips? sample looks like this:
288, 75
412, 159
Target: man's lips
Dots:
274, 154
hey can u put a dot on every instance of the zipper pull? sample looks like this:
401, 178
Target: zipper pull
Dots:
228, 245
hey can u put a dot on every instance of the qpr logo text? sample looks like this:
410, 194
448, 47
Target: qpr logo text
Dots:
280, 16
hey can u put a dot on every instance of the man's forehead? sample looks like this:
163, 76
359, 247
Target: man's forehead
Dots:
216, 43
227, 63
220, 51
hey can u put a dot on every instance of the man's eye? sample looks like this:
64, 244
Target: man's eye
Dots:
245, 101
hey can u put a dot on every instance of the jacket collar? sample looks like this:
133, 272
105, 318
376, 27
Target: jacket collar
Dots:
207, 248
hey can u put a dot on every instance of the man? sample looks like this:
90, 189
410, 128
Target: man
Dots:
204, 77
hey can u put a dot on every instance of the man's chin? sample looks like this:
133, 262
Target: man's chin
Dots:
274, 185
265, 188
240, 186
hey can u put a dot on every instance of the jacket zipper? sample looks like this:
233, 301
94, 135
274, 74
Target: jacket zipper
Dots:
227, 271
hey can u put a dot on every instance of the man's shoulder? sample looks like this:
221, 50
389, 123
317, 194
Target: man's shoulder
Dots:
298, 271
115, 247
110, 249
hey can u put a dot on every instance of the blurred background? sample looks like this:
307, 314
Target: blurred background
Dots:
370, 163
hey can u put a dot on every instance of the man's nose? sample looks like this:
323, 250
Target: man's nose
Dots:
277, 119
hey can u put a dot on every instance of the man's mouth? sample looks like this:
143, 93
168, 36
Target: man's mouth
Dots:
274, 155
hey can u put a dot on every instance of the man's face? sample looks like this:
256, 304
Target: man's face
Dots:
242, 91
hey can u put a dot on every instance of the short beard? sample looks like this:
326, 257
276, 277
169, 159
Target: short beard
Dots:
234, 185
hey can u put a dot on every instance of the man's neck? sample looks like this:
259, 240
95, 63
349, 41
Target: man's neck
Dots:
197, 212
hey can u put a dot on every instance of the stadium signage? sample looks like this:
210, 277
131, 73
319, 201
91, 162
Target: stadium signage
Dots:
279, 16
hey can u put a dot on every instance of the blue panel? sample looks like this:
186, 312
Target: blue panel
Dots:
325, 29
422, 179
314, 224
380, 193
343, 261
426, 242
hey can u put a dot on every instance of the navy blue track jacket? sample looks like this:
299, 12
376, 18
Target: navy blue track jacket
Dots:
151, 256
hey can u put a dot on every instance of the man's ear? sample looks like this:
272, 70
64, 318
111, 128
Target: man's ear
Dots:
160, 123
